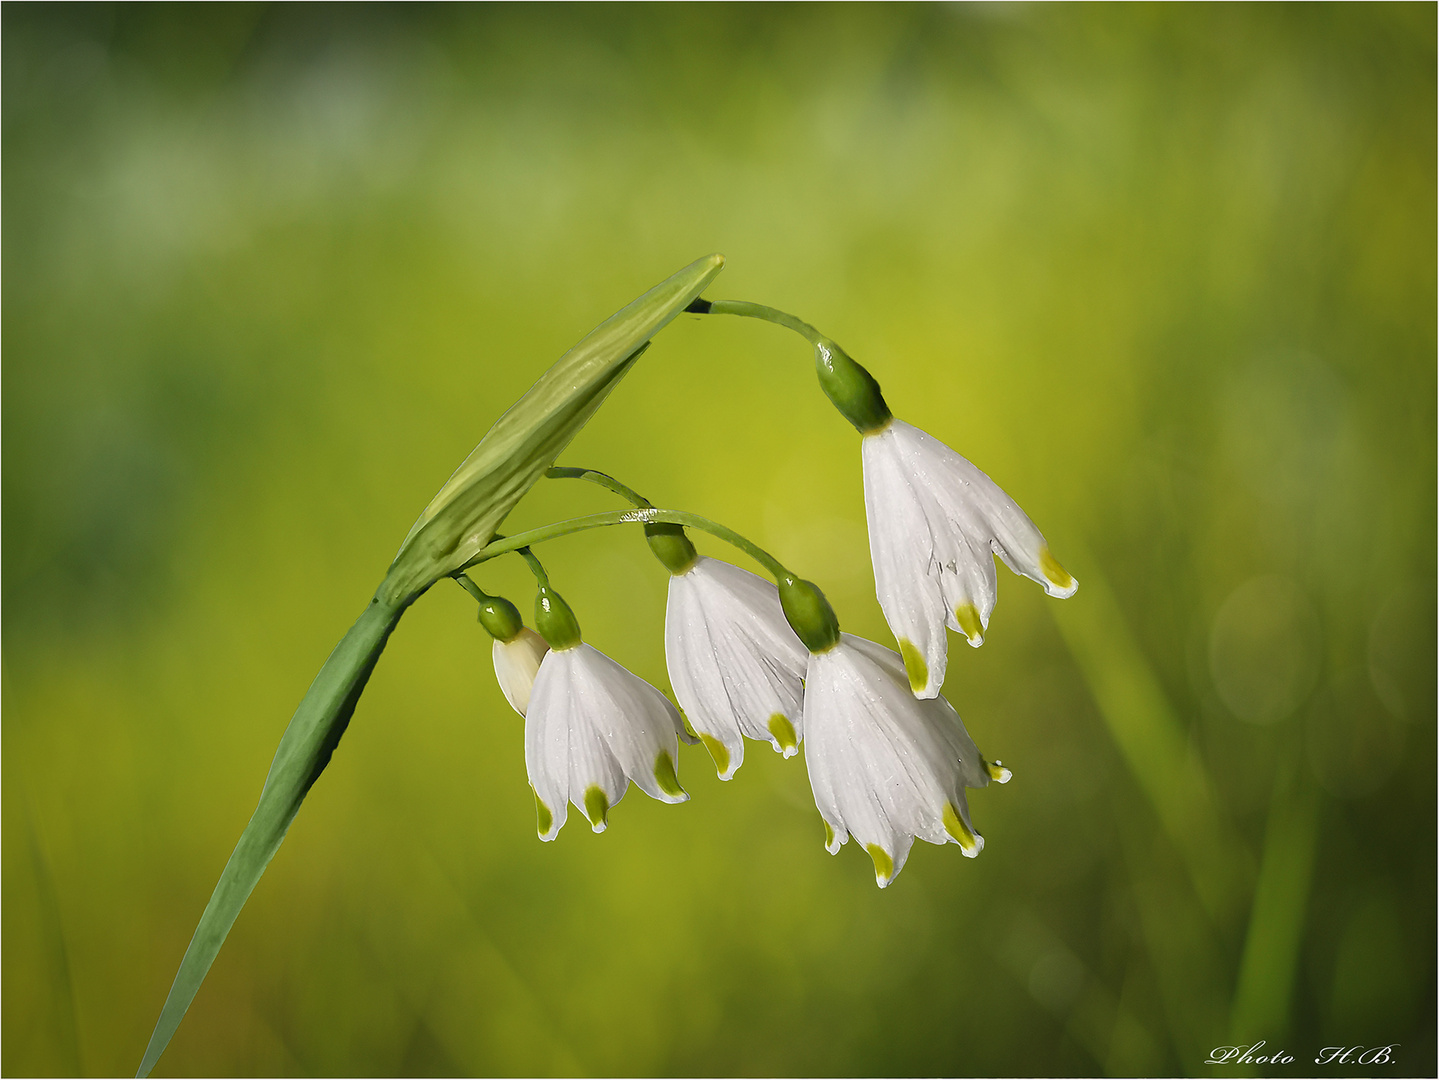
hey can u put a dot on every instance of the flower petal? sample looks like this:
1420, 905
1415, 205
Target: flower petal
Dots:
547, 741
877, 786
907, 572
631, 723
517, 662
735, 664
980, 506
886, 767
935, 524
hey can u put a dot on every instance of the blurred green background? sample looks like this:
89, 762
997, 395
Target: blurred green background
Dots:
1166, 273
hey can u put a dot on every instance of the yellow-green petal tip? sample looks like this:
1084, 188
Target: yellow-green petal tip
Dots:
883, 864
597, 808
955, 826
967, 615
914, 665
1055, 574
719, 752
544, 818
784, 734
665, 776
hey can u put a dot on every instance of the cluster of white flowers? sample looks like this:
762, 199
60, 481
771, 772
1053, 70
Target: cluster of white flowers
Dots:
888, 758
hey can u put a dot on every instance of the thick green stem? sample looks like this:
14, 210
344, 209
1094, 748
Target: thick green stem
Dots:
304, 751
639, 516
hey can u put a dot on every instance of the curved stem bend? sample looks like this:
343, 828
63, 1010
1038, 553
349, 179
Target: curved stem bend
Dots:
594, 476
639, 516
761, 311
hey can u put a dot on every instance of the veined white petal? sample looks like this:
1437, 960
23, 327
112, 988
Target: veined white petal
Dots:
935, 524
981, 507
907, 572
547, 741
940, 731
735, 664
635, 722
968, 582
590, 729
517, 662
885, 767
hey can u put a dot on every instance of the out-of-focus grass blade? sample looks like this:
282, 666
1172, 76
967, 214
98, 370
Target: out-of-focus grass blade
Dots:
1186, 954
304, 751
1276, 918
1149, 735
1178, 921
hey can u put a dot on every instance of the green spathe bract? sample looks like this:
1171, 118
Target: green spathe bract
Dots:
525, 441
459, 521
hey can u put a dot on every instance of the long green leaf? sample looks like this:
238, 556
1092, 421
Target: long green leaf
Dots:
304, 751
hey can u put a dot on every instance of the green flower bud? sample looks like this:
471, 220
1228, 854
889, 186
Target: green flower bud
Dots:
555, 621
852, 389
809, 614
501, 618
671, 546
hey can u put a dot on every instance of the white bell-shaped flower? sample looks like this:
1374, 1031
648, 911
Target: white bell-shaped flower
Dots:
736, 666
590, 729
935, 523
885, 766
517, 662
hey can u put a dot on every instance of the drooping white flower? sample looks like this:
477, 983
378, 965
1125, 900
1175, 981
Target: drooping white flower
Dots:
591, 728
935, 523
517, 662
736, 666
885, 766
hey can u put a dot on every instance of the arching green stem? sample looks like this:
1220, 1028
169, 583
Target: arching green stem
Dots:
594, 476
640, 516
464, 581
846, 382
536, 567
668, 543
759, 311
